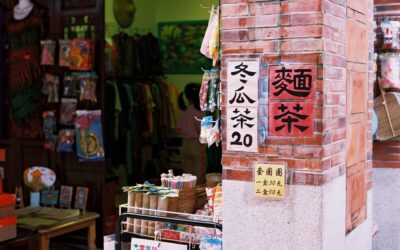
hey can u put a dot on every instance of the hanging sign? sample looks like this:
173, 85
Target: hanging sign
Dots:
270, 180
242, 105
291, 119
292, 82
291, 100
242, 129
243, 79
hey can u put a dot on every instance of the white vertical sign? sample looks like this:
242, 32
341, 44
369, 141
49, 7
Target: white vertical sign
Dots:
242, 105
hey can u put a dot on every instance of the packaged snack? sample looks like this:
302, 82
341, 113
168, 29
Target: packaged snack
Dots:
89, 135
67, 111
390, 70
49, 130
50, 88
82, 54
204, 91
206, 126
208, 243
69, 86
215, 135
48, 52
66, 140
88, 82
64, 53
390, 30
209, 90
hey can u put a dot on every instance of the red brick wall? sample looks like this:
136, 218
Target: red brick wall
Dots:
335, 35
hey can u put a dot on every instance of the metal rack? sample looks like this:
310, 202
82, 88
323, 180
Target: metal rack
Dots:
161, 217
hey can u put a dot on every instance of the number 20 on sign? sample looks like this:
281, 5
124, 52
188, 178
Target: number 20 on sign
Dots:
270, 180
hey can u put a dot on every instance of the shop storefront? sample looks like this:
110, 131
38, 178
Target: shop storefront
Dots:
273, 99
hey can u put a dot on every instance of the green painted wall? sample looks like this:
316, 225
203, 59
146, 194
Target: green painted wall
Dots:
150, 12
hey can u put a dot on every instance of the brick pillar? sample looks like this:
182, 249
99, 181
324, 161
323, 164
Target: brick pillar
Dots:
386, 159
328, 205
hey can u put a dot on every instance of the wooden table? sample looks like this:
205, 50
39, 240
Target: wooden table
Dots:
88, 220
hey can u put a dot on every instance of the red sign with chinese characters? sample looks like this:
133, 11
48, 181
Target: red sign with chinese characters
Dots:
292, 82
291, 119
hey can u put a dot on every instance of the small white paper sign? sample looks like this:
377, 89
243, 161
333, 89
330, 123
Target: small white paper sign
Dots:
242, 128
243, 78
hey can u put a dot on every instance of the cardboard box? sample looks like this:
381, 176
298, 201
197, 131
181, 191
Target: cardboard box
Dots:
8, 228
7, 200
8, 219
8, 211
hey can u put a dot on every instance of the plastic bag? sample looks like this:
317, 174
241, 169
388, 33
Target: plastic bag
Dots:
213, 93
48, 52
69, 86
82, 54
88, 82
208, 243
64, 53
66, 140
205, 130
50, 88
212, 24
204, 91
49, 130
215, 135
89, 135
67, 111
209, 90
390, 30
390, 70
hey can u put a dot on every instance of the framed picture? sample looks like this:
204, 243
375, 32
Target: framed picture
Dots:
180, 44
81, 197
49, 197
66, 196
68, 4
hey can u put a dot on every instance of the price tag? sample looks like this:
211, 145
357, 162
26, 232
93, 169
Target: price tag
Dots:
270, 180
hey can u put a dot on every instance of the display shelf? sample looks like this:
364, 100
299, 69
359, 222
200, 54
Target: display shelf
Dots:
160, 218
125, 208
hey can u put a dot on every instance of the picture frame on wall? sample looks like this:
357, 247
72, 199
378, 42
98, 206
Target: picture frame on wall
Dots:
71, 4
180, 44
81, 196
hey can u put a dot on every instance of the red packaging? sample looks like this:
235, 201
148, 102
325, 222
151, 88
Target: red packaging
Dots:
8, 219
7, 200
82, 54
170, 234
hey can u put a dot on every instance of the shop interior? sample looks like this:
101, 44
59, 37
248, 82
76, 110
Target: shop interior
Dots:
109, 107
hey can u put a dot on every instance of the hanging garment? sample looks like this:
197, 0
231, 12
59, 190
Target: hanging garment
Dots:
150, 55
149, 106
174, 111
126, 58
24, 78
111, 145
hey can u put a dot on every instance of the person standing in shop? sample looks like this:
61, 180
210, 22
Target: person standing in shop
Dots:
189, 128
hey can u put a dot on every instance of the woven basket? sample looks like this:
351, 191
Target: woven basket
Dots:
201, 197
173, 204
187, 201
387, 107
213, 179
